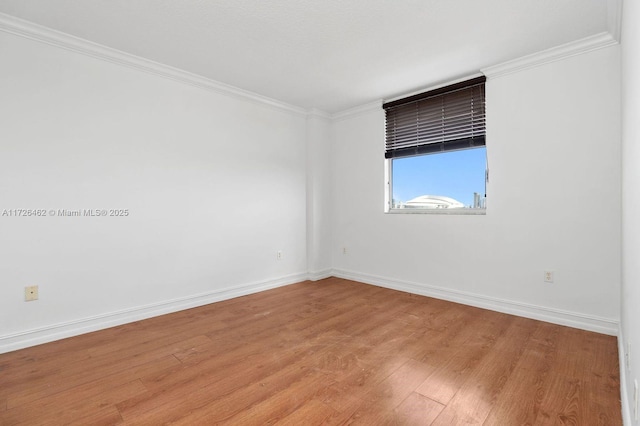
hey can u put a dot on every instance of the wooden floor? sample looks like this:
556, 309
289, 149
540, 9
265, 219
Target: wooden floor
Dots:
329, 352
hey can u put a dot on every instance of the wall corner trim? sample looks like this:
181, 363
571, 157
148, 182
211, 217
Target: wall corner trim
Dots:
12, 25
553, 54
614, 18
624, 395
541, 313
50, 333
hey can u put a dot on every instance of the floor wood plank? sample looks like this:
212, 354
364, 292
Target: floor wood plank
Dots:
383, 399
455, 359
529, 380
482, 386
331, 352
65, 408
92, 370
416, 410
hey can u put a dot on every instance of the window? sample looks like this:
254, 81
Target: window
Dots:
436, 150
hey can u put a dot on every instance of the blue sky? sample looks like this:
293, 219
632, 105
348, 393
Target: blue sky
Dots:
455, 174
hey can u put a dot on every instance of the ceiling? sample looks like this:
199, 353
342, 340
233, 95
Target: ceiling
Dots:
330, 55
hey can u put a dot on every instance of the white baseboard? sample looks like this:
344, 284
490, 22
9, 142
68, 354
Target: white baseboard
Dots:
320, 275
555, 316
624, 395
15, 341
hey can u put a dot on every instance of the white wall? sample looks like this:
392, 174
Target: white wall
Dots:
630, 334
553, 202
215, 186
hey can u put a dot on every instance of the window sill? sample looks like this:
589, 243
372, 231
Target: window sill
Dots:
463, 212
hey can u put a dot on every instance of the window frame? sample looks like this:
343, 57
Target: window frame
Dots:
388, 164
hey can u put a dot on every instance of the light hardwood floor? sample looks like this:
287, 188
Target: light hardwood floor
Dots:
329, 352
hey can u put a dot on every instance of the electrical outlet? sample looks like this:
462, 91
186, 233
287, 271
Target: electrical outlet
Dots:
279, 255
31, 293
548, 276
344, 250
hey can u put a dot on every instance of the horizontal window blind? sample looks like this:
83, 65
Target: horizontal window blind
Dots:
446, 119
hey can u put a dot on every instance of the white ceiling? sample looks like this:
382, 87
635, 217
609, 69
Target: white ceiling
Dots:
325, 54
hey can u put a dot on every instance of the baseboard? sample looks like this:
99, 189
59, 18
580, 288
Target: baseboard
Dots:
624, 395
555, 316
15, 341
320, 275
12, 342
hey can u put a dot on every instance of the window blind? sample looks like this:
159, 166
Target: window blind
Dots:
446, 119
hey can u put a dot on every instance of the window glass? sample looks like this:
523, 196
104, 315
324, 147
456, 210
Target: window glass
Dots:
453, 179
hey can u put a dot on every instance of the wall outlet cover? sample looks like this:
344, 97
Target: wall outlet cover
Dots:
31, 293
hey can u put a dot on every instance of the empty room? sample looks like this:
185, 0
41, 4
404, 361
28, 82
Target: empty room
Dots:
245, 212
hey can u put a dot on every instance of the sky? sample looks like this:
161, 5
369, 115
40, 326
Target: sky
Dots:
455, 174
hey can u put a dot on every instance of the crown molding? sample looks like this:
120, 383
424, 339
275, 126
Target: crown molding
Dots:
318, 113
30, 30
360, 109
12, 25
587, 44
553, 54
